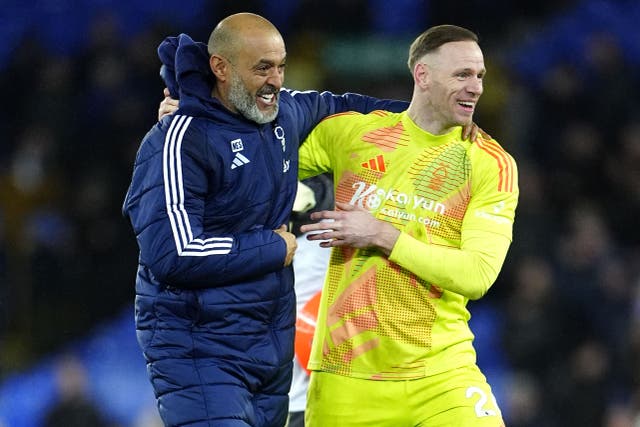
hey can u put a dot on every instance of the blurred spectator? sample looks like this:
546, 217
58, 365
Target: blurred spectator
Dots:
525, 402
30, 187
584, 250
634, 352
537, 331
148, 417
4, 292
562, 90
608, 101
623, 175
537, 222
74, 408
578, 395
577, 167
620, 416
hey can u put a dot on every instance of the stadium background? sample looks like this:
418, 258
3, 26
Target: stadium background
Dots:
558, 334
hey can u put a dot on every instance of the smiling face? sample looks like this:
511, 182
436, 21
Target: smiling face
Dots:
255, 81
452, 84
248, 59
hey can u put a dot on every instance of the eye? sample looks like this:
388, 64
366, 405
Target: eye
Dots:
464, 75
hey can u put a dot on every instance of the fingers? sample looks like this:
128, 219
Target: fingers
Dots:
471, 132
326, 235
166, 92
337, 214
282, 231
326, 239
318, 226
345, 206
324, 215
474, 132
466, 131
167, 106
349, 207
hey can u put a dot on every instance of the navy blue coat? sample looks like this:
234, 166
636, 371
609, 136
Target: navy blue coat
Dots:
215, 309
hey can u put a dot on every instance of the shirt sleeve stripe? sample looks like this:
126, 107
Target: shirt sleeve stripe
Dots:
186, 245
505, 175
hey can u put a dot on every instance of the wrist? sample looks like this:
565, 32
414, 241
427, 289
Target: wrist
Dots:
387, 237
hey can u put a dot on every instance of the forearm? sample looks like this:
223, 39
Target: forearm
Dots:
469, 271
210, 262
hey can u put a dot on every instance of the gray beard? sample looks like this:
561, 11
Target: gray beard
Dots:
245, 103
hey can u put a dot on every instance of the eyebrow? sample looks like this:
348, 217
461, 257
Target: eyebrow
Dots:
470, 70
268, 62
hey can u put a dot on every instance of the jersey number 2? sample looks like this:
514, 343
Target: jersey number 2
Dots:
481, 410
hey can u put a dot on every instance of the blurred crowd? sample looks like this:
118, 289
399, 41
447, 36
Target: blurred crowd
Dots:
568, 296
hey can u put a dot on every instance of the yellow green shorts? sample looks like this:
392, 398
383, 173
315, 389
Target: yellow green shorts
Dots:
460, 398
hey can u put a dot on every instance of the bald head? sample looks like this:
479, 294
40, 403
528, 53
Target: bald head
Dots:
247, 56
234, 32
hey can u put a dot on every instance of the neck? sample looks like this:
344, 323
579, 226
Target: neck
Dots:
224, 100
425, 119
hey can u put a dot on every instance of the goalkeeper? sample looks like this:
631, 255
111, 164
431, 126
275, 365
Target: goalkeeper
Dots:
423, 225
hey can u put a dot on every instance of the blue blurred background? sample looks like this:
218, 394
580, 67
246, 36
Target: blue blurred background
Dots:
558, 335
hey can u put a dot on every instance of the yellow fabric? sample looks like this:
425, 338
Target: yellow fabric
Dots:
458, 398
404, 316
468, 270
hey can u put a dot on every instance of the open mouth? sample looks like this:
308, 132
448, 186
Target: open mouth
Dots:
467, 106
266, 100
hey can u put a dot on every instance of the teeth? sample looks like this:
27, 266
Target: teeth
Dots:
268, 97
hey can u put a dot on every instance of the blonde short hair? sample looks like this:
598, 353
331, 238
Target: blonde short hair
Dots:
435, 37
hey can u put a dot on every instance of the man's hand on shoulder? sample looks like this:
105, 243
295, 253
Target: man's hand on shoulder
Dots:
472, 131
167, 106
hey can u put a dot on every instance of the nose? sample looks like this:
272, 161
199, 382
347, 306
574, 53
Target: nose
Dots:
276, 77
475, 86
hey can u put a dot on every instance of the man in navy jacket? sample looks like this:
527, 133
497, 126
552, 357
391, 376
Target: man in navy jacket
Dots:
212, 186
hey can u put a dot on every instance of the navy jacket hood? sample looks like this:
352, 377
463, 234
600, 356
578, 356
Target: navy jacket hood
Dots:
186, 73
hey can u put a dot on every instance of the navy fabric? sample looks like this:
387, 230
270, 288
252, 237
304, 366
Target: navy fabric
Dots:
215, 309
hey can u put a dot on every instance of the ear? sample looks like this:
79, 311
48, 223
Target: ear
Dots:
421, 75
219, 66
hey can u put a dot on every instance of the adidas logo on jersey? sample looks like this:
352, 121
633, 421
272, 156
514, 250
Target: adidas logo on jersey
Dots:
239, 160
376, 164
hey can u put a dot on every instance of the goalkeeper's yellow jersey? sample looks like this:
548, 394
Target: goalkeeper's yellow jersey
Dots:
404, 316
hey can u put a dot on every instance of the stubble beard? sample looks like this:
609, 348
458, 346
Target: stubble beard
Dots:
245, 103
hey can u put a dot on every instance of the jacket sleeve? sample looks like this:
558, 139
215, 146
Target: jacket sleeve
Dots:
166, 207
312, 106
